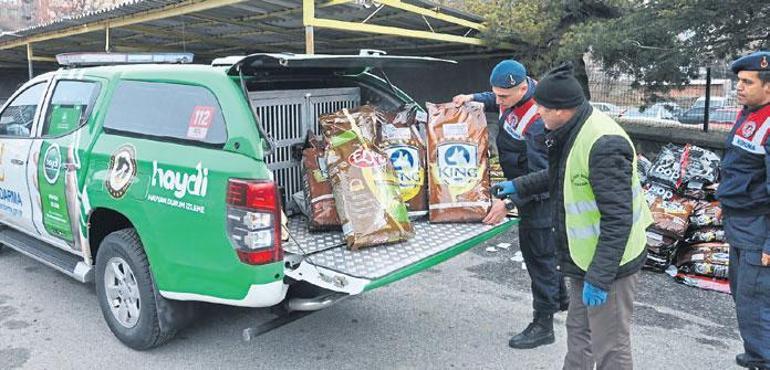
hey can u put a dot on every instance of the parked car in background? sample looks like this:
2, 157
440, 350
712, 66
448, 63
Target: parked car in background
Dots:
659, 113
723, 118
695, 114
611, 109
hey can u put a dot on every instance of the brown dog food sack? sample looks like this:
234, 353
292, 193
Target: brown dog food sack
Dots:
318, 190
363, 182
458, 171
398, 135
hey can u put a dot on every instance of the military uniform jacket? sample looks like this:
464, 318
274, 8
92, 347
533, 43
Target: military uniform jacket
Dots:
744, 188
521, 146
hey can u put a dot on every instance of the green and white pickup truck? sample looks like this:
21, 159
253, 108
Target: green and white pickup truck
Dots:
162, 183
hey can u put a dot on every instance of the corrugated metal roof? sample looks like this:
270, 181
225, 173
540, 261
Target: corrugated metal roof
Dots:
247, 27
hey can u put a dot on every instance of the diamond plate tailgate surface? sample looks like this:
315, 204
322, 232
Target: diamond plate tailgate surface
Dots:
327, 249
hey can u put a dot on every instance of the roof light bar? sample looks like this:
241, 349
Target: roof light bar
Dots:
97, 59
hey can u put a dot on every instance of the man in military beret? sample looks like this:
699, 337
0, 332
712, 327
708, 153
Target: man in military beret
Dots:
521, 146
744, 193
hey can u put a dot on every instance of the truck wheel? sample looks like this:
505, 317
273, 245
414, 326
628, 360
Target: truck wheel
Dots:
127, 293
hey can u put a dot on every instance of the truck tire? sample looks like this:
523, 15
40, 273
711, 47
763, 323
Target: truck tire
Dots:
127, 293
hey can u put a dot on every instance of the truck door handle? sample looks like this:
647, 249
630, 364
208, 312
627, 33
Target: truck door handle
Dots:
17, 162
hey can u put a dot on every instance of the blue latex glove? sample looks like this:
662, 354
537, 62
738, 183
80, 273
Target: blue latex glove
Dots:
593, 296
503, 189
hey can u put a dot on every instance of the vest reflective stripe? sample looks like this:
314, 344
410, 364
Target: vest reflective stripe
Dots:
593, 230
582, 216
585, 206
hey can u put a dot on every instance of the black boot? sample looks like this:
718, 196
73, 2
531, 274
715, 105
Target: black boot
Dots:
538, 333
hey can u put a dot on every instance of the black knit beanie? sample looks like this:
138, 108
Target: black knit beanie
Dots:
559, 89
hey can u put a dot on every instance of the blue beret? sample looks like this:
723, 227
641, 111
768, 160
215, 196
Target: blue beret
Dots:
507, 74
757, 61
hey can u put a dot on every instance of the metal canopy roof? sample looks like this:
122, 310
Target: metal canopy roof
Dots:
215, 28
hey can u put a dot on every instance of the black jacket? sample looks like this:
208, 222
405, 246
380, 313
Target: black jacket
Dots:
611, 162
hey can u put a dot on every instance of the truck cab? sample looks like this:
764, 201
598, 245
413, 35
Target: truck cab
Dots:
165, 183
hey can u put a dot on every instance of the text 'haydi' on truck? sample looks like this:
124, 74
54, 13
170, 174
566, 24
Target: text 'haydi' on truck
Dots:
159, 182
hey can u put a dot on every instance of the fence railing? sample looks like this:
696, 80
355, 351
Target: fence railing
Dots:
705, 104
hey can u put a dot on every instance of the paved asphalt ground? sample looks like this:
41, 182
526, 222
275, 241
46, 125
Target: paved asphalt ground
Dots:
457, 315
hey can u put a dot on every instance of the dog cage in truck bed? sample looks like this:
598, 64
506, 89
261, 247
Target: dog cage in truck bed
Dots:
287, 115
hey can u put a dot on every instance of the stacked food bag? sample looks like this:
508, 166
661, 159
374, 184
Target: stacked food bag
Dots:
364, 185
458, 168
398, 134
369, 171
687, 230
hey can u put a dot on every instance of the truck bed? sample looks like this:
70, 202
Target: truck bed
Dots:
325, 253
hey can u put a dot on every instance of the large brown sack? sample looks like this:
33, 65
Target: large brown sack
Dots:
458, 170
399, 136
317, 188
363, 181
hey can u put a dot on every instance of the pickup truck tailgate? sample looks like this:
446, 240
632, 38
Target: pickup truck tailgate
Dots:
322, 259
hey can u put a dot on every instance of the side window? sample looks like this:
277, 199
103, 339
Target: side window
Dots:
165, 110
70, 106
16, 120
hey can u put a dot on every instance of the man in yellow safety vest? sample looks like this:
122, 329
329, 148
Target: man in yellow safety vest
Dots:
599, 219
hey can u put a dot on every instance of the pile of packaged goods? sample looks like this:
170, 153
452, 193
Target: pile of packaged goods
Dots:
686, 238
368, 174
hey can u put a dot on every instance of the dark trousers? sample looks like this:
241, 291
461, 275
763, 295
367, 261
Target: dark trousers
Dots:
600, 335
750, 286
539, 252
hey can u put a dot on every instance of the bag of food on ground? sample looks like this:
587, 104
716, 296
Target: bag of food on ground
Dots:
671, 217
363, 182
706, 214
705, 260
643, 166
660, 251
660, 244
706, 234
701, 167
458, 172
398, 135
667, 168
317, 188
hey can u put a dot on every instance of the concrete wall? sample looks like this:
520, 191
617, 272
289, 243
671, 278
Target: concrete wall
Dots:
649, 139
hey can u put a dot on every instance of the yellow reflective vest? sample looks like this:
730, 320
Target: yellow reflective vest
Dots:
581, 212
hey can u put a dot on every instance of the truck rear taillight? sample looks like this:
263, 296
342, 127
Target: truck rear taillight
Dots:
254, 220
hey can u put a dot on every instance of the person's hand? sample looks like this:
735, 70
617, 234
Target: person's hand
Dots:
593, 296
765, 259
503, 189
462, 99
496, 213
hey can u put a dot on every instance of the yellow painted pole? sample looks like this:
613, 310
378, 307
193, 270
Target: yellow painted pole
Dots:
107, 38
308, 17
393, 31
432, 13
29, 61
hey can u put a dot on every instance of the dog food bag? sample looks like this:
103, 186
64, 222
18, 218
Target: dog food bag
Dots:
398, 135
317, 188
363, 182
671, 217
458, 172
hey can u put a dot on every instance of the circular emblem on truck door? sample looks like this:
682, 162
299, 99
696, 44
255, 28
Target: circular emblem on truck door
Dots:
122, 170
52, 164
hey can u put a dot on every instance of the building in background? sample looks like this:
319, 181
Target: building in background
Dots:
19, 14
